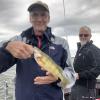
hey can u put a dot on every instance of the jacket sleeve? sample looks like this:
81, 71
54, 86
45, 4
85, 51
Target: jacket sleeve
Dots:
94, 70
68, 71
6, 60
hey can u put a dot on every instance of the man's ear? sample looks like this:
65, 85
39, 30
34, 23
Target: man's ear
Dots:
48, 18
30, 19
90, 35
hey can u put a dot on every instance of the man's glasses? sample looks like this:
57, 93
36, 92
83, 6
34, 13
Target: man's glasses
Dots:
85, 35
39, 14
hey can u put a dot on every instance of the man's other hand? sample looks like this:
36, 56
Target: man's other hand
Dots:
49, 78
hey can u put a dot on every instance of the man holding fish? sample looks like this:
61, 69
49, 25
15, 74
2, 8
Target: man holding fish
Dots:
43, 61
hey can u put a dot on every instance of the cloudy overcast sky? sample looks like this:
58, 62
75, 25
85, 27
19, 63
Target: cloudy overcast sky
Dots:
14, 16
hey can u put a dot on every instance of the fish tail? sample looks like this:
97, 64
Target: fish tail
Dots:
64, 81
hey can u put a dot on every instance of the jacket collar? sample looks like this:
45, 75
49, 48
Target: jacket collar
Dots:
47, 33
29, 34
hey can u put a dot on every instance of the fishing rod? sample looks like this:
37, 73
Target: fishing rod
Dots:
64, 9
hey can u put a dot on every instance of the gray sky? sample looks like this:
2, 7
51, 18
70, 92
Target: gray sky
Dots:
14, 15
14, 18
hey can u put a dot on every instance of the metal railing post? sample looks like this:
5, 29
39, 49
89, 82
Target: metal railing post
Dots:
5, 90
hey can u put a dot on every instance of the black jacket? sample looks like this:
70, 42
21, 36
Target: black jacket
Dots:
87, 64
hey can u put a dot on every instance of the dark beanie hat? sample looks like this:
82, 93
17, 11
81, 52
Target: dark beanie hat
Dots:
38, 5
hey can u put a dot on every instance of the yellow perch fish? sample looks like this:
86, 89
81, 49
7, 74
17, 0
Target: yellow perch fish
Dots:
49, 65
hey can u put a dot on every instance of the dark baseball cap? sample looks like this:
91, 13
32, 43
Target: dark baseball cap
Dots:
39, 5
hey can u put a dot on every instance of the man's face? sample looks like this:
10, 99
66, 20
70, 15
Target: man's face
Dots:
39, 20
84, 36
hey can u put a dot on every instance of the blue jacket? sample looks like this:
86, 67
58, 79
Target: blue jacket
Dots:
28, 69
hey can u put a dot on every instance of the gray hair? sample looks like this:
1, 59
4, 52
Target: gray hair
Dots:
86, 28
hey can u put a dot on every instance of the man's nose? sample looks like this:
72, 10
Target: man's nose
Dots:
39, 18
